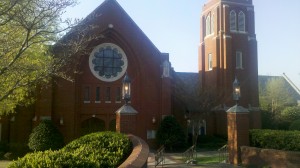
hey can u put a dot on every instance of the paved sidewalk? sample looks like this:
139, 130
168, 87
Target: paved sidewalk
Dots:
175, 160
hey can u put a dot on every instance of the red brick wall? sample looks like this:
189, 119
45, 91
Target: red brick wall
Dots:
238, 135
151, 94
223, 44
257, 157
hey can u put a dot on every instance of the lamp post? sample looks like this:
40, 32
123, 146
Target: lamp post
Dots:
236, 90
126, 115
237, 126
126, 89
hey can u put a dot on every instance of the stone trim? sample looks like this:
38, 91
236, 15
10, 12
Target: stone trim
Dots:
139, 154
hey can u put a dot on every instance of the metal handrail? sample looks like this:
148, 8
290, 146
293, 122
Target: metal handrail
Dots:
190, 154
223, 154
159, 156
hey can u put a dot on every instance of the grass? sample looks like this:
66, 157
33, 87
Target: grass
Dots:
208, 160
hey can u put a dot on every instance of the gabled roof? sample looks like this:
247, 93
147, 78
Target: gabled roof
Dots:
111, 12
263, 80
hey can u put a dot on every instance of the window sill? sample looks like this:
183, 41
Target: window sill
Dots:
97, 102
86, 102
118, 102
107, 101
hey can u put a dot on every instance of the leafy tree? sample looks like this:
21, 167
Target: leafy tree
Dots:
45, 136
276, 95
291, 113
170, 133
198, 102
275, 98
27, 30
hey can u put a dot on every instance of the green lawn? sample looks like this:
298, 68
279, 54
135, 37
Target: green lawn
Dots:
208, 160
4, 163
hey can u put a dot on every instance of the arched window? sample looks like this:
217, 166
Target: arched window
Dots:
241, 20
232, 20
207, 25
212, 24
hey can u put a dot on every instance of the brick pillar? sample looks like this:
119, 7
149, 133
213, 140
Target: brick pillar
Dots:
238, 132
126, 120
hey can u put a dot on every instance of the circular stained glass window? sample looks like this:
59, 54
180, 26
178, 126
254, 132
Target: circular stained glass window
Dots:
108, 62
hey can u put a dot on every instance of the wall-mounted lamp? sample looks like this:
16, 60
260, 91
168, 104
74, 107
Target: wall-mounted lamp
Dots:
34, 118
61, 121
93, 115
153, 120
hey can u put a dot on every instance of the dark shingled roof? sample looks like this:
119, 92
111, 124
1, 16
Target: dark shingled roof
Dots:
186, 87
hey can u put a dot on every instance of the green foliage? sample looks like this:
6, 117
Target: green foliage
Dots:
102, 149
280, 120
291, 113
49, 159
277, 95
170, 133
295, 125
211, 142
275, 139
45, 136
27, 28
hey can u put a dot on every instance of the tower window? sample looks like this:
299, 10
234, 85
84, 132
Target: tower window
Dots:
241, 20
239, 60
212, 24
210, 62
232, 20
207, 24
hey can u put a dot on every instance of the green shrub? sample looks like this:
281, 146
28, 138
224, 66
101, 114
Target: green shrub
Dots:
275, 139
51, 159
103, 149
45, 136
291, 113
170, 133
295, 125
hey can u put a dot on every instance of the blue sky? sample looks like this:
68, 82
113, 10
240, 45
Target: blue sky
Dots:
174, 27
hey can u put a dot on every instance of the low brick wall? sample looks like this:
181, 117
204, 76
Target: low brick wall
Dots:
139, 155
258, 157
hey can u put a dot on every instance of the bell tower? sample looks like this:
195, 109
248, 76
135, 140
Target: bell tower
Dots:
228, 49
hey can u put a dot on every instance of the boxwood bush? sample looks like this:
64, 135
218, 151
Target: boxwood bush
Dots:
102, 149
45, 136
275, 139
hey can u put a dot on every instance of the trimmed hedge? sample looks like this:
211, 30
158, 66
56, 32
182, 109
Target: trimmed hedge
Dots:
102, 149
45, 136
275, 139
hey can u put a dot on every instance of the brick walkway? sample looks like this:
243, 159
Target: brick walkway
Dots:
175, 160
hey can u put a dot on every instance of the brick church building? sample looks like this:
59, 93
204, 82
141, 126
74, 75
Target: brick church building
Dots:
88, 103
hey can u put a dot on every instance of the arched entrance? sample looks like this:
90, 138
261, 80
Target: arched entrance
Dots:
92, 125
